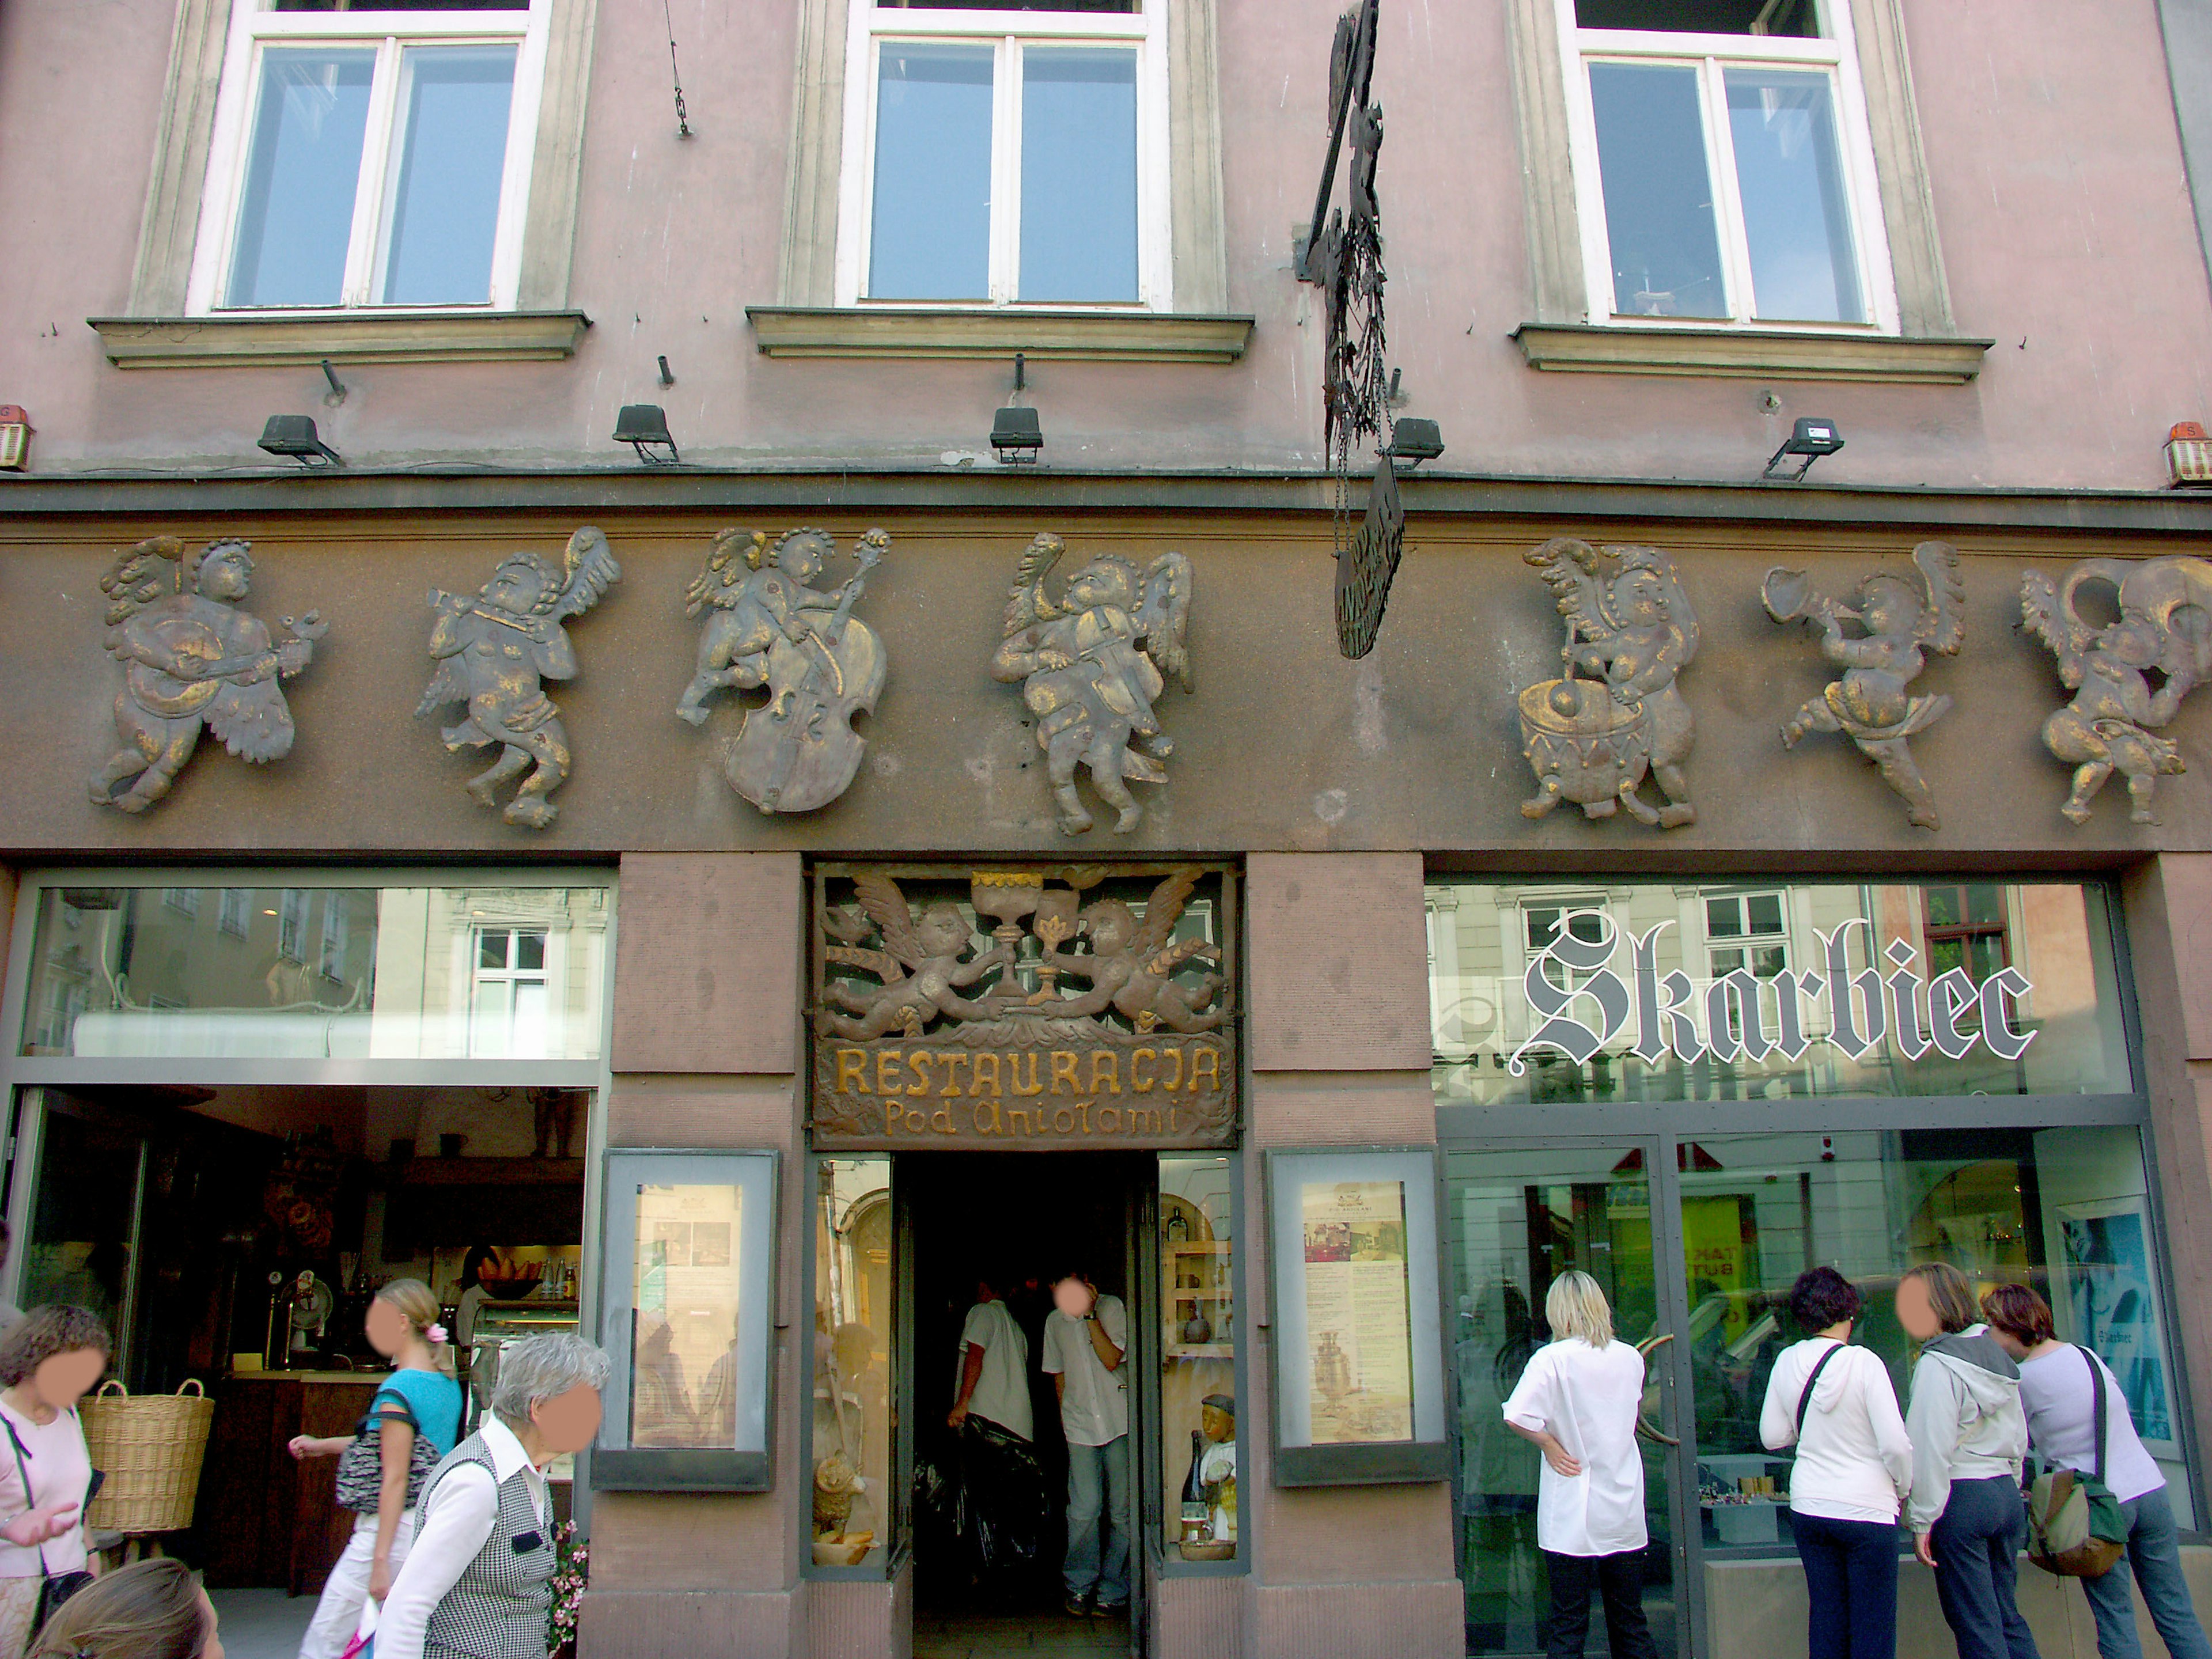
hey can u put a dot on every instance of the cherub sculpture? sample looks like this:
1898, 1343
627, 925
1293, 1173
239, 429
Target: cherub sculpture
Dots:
1131, 964
1901, 621
496, 648
919, 964
1630, 622
2164, 624
768, 625
1090, 667
191, 658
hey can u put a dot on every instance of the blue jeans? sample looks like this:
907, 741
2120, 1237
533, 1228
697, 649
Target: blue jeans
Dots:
1850, 1586
1099, 1521
2156, 1558
1977, 1540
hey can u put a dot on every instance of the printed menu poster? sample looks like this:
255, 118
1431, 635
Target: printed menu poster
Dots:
1358, 1319
684, 1375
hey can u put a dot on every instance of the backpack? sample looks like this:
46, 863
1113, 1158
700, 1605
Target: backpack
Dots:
2075, 1526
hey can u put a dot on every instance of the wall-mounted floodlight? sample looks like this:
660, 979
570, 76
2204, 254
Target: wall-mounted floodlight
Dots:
1413, 440
1018, 436
1812, 438
644, 427
295, 435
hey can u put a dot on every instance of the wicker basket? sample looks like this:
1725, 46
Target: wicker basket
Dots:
151, 1448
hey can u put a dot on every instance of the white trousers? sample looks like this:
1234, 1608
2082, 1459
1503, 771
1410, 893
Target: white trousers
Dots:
347, 1590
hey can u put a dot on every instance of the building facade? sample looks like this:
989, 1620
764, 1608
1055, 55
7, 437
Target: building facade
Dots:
610, 880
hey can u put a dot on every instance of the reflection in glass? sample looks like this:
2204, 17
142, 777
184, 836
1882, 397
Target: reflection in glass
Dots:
1484, 937
452, 155
684, 1376
478, 973
1796, 218
930, 235
2064, 1211
302, 169
1078, 174
1658, 191
851, 1454
1517, 1221
1197, 1348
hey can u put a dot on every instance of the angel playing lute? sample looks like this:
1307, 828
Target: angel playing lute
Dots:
1090, 666
494, 650
919, 963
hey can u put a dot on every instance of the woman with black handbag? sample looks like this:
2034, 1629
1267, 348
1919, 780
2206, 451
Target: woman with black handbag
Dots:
2062, 1387
47, 1361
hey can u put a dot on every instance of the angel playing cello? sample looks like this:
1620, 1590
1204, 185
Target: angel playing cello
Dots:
2164, 624
1901, 621
191, 658
919, 965
1090, 667
1132, 964
494, 650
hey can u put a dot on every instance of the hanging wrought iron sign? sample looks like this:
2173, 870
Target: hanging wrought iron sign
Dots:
1344, 257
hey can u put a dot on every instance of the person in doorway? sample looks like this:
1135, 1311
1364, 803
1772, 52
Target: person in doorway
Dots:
1578, 1400
47, 1361
1086, 1338
413, 1421
1834, 1402
466, 1305
152, 1609
992, 1415
2059, 1396
479, 1579
1969, 1435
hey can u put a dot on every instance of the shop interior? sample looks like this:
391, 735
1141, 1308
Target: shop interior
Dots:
236, 1236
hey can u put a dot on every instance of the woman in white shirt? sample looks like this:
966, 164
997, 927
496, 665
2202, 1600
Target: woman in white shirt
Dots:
47, 1361
1578, 1401
1853, 1467
2057, 1392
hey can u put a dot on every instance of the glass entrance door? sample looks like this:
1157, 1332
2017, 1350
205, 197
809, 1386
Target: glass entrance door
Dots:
1519, 1216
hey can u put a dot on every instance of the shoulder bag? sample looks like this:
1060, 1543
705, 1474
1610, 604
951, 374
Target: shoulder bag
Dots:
360, 1465
2075, 1527
54, 1588
1805, 1399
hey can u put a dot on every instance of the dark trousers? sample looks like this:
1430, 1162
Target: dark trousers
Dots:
1618, 1579
1977, 1540
1850, 1586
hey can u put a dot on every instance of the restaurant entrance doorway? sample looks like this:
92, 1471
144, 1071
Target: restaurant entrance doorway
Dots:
1015, 1222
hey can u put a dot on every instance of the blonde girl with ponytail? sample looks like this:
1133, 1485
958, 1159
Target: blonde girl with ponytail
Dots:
412, 1422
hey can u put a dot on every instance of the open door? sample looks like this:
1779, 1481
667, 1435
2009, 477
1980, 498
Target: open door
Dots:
1141, 1270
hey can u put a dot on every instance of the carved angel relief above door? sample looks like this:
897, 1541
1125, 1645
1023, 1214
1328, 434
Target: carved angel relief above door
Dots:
1041, 1008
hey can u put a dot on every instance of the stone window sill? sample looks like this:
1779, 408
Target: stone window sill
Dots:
364, 336
1747, 354
998, 332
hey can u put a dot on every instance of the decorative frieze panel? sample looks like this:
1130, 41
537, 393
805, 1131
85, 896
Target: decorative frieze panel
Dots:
1013, 1008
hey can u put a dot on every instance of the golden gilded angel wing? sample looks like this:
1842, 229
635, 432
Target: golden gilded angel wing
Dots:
149, 571
879, 896
1026, 603
1564, 562
1163, 613
1162, 912
1944, 623
2040, 613
717, 583
592, 570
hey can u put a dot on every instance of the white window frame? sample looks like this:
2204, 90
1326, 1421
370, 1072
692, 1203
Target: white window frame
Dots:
544, 975
253, 29
292, 906
1836, 51
234, 912
1745, 942
869, 26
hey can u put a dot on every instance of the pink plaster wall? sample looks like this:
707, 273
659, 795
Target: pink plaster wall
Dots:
2049, 130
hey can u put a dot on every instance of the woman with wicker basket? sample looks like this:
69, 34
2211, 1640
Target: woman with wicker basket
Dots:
412, 1422
48, 1360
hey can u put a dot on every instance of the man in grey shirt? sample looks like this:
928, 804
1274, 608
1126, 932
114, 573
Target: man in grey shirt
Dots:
1086, 1337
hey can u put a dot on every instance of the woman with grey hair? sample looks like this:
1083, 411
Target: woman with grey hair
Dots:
477, 1583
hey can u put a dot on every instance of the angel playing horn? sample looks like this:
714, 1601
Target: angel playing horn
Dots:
1901, 620
495, 648
1090, 666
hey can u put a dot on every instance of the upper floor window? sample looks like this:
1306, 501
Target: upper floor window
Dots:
371, 155
1746, 930
1007, 152
1723, 162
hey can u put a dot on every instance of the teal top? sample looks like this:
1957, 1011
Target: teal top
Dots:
435, 1399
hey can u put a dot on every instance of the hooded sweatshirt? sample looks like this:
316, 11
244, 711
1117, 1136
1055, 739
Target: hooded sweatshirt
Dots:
1853, 1462
1966, 1422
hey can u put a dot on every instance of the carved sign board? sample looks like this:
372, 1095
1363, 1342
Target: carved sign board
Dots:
1039, 1009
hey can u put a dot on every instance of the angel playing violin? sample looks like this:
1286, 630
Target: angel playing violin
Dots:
1090, 667
1901, 621
919, 964
1131, 964
2164, 624
191, 658
494, 650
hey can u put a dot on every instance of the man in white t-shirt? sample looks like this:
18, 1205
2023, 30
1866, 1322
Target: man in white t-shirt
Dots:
1086, 1338
993, 1382
995, 1420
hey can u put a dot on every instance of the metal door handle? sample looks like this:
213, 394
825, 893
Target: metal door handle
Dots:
1644, 1427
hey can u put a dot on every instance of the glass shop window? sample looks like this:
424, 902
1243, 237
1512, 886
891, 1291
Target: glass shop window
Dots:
1010, 154
1725, 172
319, 973
855, 1514
1199, 1411
1815, 989
371, 156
